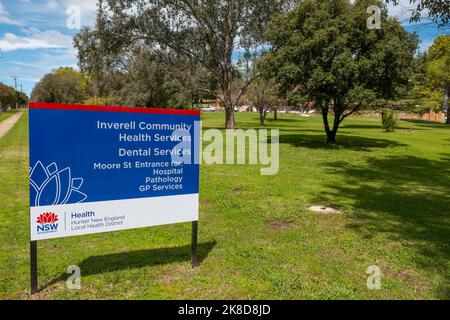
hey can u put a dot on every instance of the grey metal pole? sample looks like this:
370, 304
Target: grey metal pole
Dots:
194, 252
33, 267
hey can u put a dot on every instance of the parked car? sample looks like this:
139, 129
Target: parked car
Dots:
208, 109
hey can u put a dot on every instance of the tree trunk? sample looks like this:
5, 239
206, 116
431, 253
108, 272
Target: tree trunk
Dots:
229, 117
331, 137
446, 103
227, 70
331, 133
228, 104
261, 117
275, 114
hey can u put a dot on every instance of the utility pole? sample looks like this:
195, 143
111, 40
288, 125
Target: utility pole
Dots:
15, 88
15, 82
21, 91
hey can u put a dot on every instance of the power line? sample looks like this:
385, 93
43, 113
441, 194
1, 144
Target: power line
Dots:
15, 81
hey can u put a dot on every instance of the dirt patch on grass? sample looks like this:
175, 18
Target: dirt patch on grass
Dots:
173, 275
279, 226
205, 203
237, 192
47, 292
410, 277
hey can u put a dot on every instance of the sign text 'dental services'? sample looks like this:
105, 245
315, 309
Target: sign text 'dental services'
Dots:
97, 169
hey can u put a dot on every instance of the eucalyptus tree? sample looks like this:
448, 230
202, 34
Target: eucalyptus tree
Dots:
209, 32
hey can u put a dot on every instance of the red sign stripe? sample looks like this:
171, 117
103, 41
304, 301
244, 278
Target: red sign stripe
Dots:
82, 107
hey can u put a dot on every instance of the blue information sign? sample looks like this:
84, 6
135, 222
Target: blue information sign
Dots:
97, 169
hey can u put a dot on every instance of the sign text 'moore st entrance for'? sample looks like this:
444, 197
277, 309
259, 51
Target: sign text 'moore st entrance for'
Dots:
97, 169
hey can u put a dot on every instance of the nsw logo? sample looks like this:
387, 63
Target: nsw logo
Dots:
46, 222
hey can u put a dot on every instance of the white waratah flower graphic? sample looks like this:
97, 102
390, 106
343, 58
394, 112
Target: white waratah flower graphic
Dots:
50, 186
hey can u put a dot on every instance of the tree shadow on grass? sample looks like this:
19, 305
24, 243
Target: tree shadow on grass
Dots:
136, 259
378, 127
350, 142
407, 199
361, 126
285, 120
267, 126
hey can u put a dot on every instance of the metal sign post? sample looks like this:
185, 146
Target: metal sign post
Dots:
33, 267
194, 247
33, 257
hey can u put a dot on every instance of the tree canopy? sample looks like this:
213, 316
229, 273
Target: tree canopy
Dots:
323, 49
207, 33
263, 92
9, 97
438, 68
62, 85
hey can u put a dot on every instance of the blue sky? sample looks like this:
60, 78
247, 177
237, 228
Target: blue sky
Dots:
35, 38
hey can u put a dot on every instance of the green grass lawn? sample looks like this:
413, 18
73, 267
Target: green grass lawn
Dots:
6, 114
257, 239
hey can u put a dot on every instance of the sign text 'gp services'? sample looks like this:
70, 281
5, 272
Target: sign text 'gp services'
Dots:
98, 169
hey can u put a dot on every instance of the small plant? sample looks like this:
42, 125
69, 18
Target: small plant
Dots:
389, 120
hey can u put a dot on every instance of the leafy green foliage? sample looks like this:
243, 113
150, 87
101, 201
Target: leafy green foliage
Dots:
323, 49
62, 85
438, 68
100, 101
202, 33
389, 120
141, 75
9, 97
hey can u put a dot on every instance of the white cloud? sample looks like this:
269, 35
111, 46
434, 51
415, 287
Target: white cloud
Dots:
88, 9
48, 14
89, 6
402, 11
52, 5
5, 18
35, 39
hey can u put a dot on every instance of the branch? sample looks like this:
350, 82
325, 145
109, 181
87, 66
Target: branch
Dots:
203, 23
174, 46
345, 115
245, 87
213, 93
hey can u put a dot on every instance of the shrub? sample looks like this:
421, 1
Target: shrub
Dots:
389, 120
101, 101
